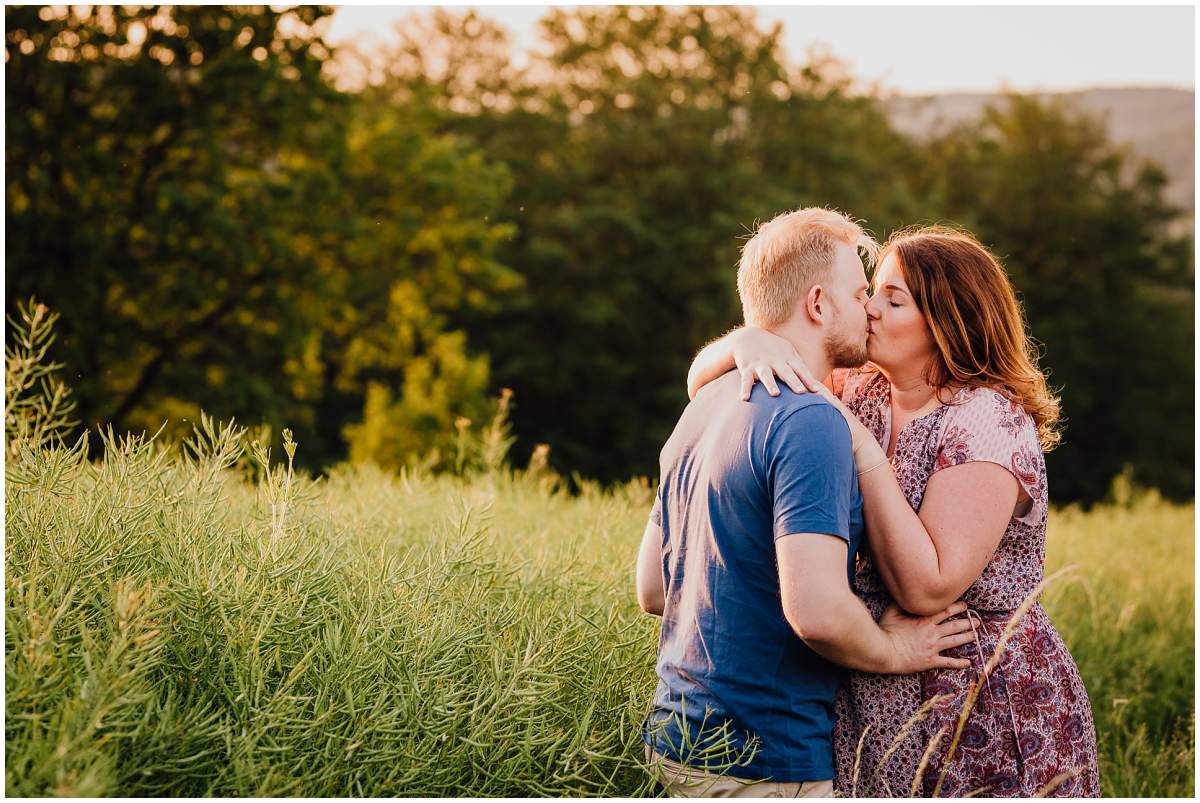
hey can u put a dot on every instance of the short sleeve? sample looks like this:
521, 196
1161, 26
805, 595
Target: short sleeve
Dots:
989, 427
656, 510
810, 472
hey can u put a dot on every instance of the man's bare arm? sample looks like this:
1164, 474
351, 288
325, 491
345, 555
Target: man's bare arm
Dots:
650, 594
824, 612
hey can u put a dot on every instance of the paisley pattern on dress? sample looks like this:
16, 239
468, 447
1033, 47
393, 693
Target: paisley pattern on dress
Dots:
1032, 720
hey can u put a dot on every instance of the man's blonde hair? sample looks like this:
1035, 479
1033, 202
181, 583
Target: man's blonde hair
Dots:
788, 255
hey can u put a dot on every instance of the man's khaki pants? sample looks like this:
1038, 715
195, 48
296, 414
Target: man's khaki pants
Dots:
683, 781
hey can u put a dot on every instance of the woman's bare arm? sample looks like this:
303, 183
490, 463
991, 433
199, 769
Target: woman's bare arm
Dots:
759, 355
713, 360
930, 559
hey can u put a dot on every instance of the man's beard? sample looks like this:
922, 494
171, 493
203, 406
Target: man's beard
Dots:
843, 352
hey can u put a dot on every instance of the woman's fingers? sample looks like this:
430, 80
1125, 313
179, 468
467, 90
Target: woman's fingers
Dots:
747, 383
789, 378
805, 376
767, 377
758, 373
766, 373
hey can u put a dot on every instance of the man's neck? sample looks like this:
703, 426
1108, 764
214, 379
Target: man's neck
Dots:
808, 345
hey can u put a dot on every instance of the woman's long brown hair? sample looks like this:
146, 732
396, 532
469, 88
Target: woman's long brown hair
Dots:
972, 312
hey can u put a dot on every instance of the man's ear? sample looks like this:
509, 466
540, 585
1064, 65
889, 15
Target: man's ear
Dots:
815, 304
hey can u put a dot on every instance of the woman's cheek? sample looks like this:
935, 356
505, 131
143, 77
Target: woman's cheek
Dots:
875, 344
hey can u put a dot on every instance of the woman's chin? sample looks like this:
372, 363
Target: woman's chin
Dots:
875, 355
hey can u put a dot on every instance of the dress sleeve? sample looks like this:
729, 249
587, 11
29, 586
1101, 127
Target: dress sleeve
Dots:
988, 427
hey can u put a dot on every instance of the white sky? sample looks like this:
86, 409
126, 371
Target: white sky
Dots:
918, 50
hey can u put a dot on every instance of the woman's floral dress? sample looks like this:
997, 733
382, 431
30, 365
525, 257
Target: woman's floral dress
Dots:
1031, 726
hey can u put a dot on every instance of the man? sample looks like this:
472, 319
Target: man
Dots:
750, 549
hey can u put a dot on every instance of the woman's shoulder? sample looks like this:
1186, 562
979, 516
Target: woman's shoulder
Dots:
988, 401
990, 412
986, 424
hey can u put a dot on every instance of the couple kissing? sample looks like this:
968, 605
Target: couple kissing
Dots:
851, 510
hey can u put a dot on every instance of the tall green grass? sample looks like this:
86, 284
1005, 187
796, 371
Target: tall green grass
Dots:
174, 628
1127, 614
171, 629
197, 619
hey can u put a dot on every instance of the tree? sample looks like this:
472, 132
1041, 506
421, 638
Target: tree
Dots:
642, 149
221, 229
1086, 237
419, 247
153, 177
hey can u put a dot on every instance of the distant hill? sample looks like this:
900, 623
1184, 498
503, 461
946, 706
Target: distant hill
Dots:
1158, 123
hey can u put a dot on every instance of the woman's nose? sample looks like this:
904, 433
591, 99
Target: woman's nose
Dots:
872, 311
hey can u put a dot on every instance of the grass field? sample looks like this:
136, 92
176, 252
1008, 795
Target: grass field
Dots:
192, 626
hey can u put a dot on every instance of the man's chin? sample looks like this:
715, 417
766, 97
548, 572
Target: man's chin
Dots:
859, 360
848, 358
845, 353
864, 355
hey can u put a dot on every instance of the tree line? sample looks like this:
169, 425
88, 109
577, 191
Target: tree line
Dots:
222, 228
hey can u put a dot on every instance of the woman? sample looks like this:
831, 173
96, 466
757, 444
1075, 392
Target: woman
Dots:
950, 420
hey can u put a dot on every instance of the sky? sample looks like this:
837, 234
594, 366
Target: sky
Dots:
932, 49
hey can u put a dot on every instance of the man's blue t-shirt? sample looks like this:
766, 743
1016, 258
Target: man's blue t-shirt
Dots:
735, 476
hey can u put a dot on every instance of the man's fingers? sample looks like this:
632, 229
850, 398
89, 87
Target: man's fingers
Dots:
954, 663
955, 640
951, 626
953, 610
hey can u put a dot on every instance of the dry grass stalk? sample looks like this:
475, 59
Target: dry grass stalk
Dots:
858, 761
920, 716
993, 661
933, 743
1057, 781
